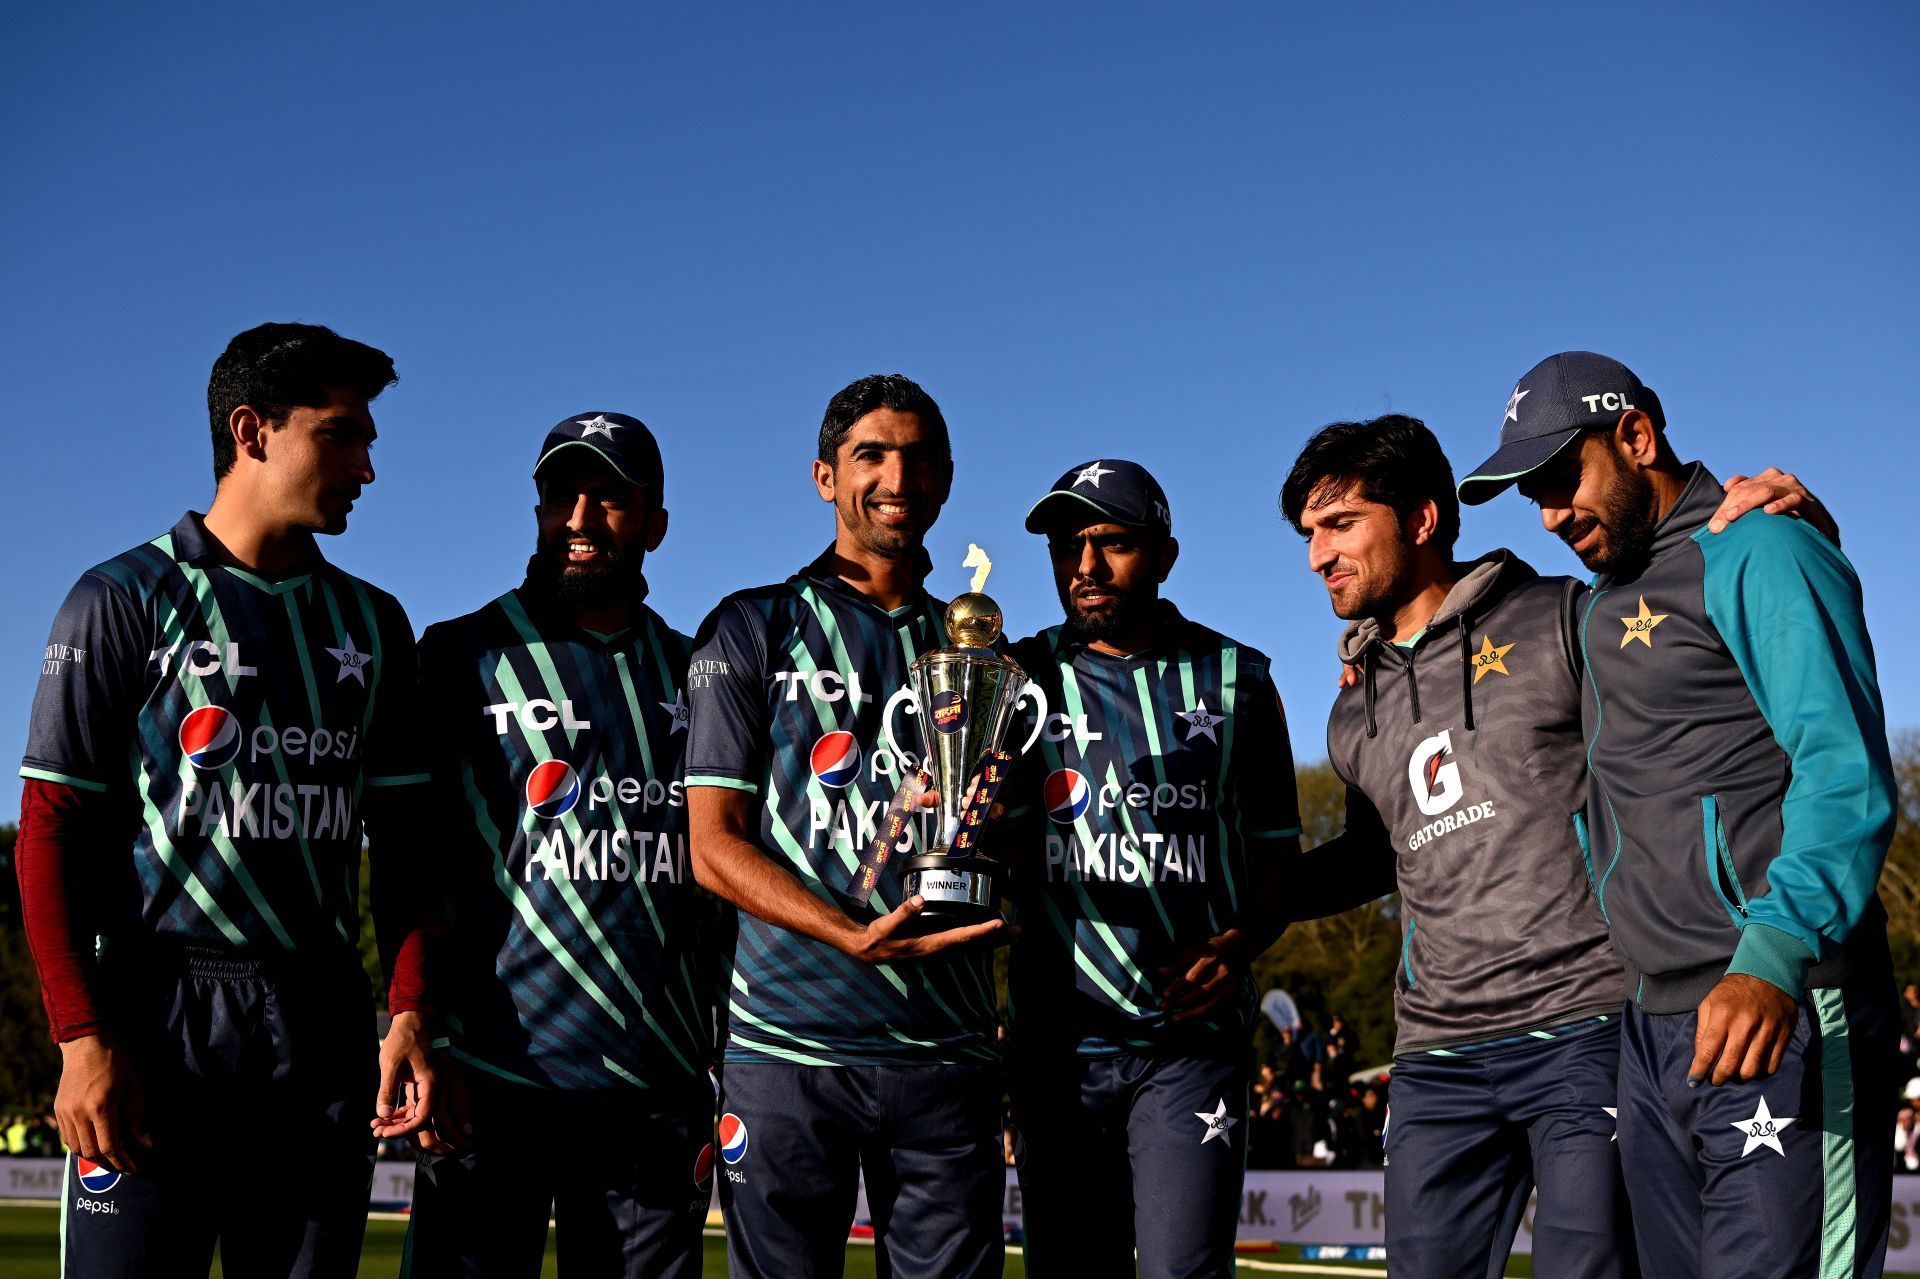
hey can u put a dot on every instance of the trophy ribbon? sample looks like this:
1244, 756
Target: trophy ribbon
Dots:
901, 811
986, 784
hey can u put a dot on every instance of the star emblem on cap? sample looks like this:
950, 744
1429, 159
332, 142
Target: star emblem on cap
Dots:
679, 710
353, 663
1762, 1130
1090, 474
1491, 658
1640, 626
1513, 404
597, 425
1217, 1123
1201, 720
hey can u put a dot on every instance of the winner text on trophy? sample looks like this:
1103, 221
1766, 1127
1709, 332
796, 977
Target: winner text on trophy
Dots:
963, 697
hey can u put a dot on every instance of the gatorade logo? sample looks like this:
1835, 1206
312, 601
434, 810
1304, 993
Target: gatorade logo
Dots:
1067, 795
733, 1138
96, 1179
836, 762
553, 788
1433, 776
210, 739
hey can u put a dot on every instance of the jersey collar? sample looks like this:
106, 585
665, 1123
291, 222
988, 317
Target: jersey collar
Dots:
820, 573
192, 544
1169, 629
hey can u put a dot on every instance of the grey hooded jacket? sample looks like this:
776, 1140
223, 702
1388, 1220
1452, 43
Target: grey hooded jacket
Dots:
1464, 749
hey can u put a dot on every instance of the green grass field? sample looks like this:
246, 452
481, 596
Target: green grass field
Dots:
30, 1249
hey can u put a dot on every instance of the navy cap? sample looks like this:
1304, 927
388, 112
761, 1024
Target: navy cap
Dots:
622, 442
1559, 398
1121, 491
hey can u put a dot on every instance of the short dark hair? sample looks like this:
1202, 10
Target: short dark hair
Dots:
1393, 460
878, 391
276, 368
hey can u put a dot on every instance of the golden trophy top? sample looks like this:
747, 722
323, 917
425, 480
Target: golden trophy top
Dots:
973, 620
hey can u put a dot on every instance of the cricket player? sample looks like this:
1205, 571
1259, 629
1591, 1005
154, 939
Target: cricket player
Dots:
563, 976
1459, 743
849, 1048
1164, 807
219, 710
1741, 799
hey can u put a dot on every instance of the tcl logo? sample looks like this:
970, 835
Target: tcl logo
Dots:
1433, 776
201, 658
536, 716
826, 686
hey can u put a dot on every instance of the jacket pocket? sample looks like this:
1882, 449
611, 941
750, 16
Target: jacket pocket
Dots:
1406, 954
1719, 860
1586, 859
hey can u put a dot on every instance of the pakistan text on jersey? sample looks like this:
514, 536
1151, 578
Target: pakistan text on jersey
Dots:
612, 856
1123, 858
265, 810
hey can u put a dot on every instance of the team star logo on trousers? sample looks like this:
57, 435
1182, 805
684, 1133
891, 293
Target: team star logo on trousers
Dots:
1217, 1123
1762, 1130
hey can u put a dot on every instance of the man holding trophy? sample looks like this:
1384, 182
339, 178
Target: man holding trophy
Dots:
1149, 877
858, 1037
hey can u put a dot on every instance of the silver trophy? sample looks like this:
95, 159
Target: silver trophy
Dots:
963, 697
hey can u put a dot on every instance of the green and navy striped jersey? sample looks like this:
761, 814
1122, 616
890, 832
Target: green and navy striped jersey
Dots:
788, 686
237, 721
567, 956
1159, 792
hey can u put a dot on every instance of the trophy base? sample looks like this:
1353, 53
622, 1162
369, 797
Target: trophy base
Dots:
958, 891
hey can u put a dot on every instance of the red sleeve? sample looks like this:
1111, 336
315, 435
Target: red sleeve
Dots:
56, 824
403, 914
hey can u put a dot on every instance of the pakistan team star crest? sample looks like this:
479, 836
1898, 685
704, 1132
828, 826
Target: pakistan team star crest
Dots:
1490, 658
1513, 403
353, 663
1762, 1130
1640, 627
679, 710
1217, 1123
597, 425
1090, 474
1200, 721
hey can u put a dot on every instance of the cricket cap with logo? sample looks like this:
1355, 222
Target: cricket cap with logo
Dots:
623, 443
1559, 398
1107, 488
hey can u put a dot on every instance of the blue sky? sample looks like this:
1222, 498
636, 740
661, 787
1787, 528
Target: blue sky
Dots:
1188, 235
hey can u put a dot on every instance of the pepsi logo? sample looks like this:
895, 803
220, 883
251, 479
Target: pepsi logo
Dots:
553, 788
836, 759
703, 1166
210, 737
949, 710
1067, 795
733, 1138
95, 1178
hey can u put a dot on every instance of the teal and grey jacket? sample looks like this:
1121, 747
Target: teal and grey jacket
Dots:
1741, 793
1466, 776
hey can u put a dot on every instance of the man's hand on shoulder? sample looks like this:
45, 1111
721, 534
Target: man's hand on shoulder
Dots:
100, 1106
1776, 492
1745, 1024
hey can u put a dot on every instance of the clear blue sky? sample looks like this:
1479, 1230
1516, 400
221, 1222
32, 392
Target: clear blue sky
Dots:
1183, 234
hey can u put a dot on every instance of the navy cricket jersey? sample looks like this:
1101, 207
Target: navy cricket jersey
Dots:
788, 684
567, 960
1165, 780
238, 720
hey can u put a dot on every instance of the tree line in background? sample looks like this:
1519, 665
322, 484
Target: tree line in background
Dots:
1343, 965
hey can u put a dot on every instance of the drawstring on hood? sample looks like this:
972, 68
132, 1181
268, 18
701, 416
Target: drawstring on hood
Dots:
1484, 582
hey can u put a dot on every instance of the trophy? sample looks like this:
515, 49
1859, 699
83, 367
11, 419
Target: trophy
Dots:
963, 697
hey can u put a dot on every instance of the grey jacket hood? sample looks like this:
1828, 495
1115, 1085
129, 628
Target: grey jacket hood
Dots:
1485, 583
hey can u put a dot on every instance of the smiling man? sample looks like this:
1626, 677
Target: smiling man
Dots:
565, 977
1148, 881
849, 1047
1742, 801
217, 710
